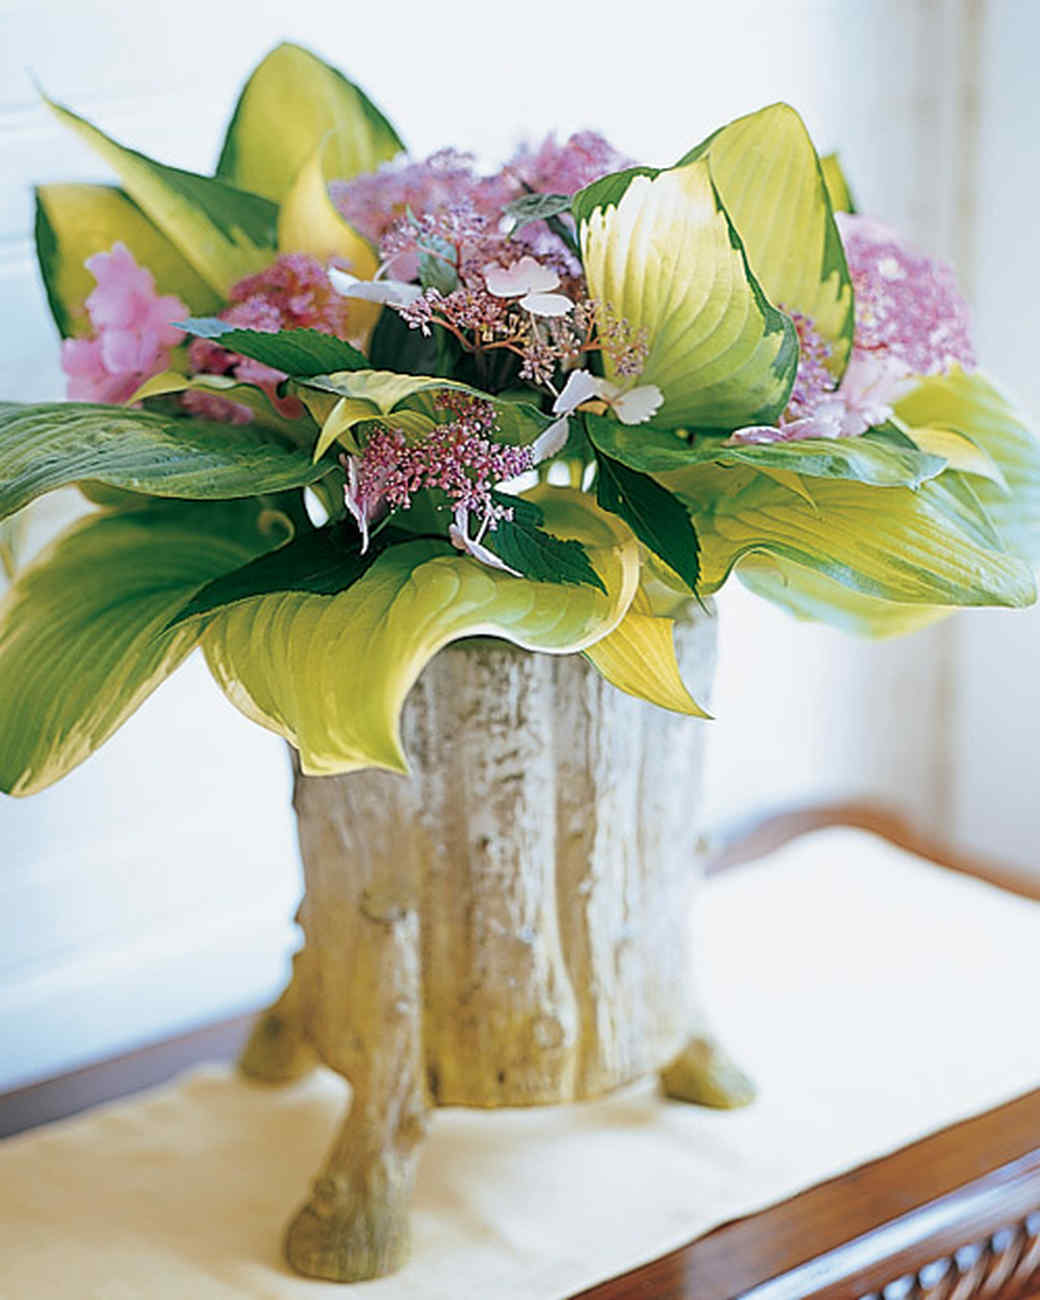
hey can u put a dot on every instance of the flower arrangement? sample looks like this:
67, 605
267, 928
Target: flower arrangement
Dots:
336, 408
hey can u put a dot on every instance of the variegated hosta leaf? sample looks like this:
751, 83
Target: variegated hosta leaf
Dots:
666, 259
75, 221
915, 547
870, 458
768, 175
972, 405
289, 105
224, 233
169, 382
838, 190
378, 394
81, 629
638, 657
811, 595
309, 223
959, 453
53, 444
330, 673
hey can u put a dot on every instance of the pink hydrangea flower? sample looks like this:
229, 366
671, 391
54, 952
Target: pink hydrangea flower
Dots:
133, 331
294, 292
908, 306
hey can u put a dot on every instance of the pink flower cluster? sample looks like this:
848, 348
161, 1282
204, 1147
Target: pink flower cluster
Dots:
292, 293
907, 305
457, 458
133, 331
910, 320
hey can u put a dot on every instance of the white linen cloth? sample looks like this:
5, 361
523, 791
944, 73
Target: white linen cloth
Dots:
874, 997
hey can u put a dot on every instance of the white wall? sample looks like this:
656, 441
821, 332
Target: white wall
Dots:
153, 887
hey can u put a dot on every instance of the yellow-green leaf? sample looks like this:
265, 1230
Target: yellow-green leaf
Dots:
330, 673
665, 258
81, 629
224, 233
973, 405
169, 382
769, 177
289, 105
959, 452
837, 186
638, 657
810, 595
914, 547
309, 223
73, 222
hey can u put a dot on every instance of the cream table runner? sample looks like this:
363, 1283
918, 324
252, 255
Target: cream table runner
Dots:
874, 997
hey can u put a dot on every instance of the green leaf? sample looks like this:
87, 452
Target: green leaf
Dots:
57, 443
870, 458
607, 192
380, 394
224, 233
323, 561
658, 519
73, 222
974, 406
638, 657
330, 673
667, 259
81, 629
811, 596
301, 353
291, 103
167, 383
535, 207
769, 177
523, 544
913, 547
837, 186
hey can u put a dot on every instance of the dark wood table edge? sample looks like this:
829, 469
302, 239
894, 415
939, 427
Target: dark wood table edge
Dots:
972, 1188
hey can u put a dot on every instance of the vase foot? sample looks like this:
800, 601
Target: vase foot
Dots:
349, 1240
704, 1074
277, 1050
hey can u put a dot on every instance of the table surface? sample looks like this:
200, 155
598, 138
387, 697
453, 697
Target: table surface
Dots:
954, 1216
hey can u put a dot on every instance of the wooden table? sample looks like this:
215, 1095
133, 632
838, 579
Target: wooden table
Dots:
953, 1217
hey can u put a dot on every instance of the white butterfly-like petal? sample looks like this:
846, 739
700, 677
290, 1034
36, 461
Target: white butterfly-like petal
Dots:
551, 442
546, 304
637, 405
524, 277
580, 386
393, 293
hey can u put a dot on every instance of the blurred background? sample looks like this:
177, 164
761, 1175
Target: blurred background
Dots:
153, 889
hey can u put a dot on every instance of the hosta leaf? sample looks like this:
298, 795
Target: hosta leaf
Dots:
810, 595
301, 352
81, 629
769, 178
331, 673
57, 443
169, 382
224, 233
309, 223
658, 519
972, 404
837, 186
667, 259
914, 547
638, 657
869, 459
291, 103
959, 453
75, 221
378, 394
